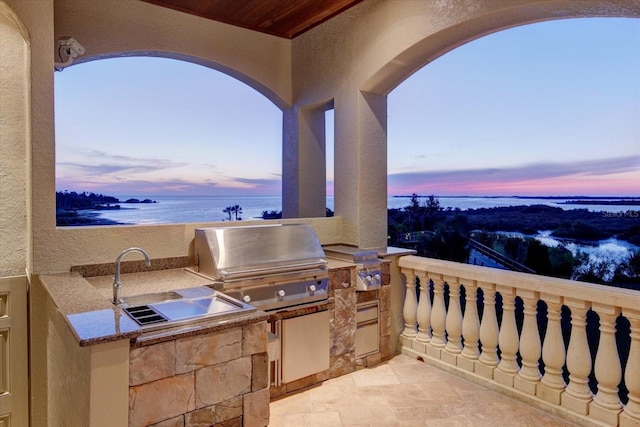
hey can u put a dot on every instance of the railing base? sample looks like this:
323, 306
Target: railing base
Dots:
606, 415
521, 396
466, 364
548, 394
525, 386
627, 421
575, 404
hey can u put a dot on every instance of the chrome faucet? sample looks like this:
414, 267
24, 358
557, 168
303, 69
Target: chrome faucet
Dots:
117, 284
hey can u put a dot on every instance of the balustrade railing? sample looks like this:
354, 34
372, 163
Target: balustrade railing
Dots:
570, 347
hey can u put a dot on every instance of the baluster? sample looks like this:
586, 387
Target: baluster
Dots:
606, 404
553, 353
488, 359
507, 338
409, 310
631, 414
454, 323
577, 395
530, 347
424, 310
470, 327
438, 318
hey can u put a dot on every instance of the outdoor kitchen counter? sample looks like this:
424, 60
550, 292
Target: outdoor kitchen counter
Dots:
86, 306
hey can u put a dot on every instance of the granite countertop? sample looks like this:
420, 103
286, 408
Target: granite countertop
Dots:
86, 305
335, 264
148, 282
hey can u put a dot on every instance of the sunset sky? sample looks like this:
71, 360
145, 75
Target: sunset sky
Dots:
544, 109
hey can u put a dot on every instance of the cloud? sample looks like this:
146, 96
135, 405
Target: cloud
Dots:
170, 187
99, 162
511, 179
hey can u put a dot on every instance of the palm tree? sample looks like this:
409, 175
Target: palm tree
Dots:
237, 210
228, 211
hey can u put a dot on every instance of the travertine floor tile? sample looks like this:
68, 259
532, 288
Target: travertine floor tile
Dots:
320, 419
404, 392
381, 375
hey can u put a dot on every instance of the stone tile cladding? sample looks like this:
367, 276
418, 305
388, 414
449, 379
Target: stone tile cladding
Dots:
342, 322
215, 379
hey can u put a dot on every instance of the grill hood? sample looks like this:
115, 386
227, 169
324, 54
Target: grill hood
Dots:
229, 253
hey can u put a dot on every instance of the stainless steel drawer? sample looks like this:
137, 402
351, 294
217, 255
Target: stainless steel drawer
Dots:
367, 329
367, 339
305, 346
367, 312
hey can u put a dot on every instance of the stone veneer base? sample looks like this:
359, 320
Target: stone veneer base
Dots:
217, 378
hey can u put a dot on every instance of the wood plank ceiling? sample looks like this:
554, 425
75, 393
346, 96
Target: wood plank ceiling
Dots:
282, 18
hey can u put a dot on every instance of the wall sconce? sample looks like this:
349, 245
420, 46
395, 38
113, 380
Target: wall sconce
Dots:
70, 48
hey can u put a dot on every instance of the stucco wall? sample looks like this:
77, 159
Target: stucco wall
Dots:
14, 144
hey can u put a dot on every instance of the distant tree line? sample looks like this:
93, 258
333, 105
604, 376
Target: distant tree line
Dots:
444, 234
84, 200
69, 203
274, 214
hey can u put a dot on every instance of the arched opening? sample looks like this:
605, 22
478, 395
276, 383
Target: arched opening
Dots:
191, 138
508, 104
543, 114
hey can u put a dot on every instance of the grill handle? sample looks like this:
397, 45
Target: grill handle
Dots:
265, 271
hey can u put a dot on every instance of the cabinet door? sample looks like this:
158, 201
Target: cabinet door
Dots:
13, 352
367, 341
305, 346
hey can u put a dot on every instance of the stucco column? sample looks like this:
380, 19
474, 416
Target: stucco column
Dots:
304, 192
14, 145
361, 168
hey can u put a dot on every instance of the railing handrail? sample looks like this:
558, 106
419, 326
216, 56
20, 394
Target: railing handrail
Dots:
619, 297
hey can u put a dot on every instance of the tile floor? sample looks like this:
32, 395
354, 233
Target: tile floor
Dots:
404, 392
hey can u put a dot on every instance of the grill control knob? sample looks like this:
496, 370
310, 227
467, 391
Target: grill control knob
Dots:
246, 298
368, 279
281, 293
312, 288
377, 278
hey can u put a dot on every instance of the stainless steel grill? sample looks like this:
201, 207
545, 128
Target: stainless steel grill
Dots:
270, 267
275, 268
368, 265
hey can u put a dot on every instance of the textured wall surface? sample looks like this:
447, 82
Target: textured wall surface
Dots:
14, 140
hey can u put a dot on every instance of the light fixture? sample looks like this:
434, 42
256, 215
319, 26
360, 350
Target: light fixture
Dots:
70, 48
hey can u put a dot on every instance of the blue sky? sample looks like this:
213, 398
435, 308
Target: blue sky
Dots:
544, 109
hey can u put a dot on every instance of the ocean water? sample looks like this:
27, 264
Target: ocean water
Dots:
186, 209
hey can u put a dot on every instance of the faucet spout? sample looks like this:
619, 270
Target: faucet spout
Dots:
117, 284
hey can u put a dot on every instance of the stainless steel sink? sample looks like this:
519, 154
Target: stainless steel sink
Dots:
164, 309
151, 298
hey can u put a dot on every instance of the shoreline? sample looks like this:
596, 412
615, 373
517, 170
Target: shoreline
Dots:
84, 217
567, 200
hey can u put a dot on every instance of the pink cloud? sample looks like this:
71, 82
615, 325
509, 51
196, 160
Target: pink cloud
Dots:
613, 177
